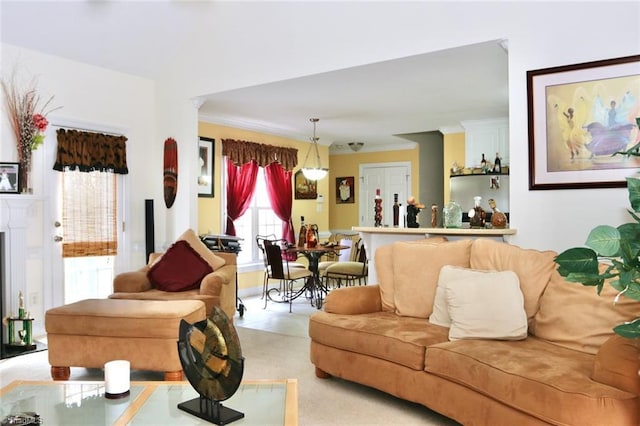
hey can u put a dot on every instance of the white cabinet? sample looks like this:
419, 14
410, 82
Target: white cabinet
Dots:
486, 137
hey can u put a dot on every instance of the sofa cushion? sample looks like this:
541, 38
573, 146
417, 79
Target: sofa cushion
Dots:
479, 304
180, 268
533, 267
384, 270
416, 268
533, 376
382, 335
574, 316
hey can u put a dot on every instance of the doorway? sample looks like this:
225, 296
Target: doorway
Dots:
391, 179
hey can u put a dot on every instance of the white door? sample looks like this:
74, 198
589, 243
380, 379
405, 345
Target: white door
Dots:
390, 179
75, 278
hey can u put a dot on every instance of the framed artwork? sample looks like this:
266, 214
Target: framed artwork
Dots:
9, 178
345, 190
205, 157
579, 117
305, 189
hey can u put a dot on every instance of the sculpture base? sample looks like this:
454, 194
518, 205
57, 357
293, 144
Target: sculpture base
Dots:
211, 411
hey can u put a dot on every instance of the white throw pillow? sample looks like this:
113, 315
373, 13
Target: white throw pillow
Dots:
480, 304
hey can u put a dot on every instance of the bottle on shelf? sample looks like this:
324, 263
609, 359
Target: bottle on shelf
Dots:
483, 164
396, 211
497, 165
302, 235
477, 215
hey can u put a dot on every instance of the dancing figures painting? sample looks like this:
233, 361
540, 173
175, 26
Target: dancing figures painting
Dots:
580, 116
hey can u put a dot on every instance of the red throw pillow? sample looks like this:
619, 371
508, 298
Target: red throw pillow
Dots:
180, 268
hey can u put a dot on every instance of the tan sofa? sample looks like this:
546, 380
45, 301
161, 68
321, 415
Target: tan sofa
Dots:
557, 362
217, 288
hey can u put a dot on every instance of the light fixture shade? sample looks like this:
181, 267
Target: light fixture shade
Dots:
318, 172
314, 174
356, 146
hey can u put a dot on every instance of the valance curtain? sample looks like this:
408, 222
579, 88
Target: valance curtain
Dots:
241, 184
242, 152
89, 151
279, 189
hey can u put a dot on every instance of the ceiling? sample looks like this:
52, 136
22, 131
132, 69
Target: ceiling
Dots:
375, 104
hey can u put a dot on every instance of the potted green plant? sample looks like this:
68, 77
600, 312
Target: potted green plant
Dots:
619, 247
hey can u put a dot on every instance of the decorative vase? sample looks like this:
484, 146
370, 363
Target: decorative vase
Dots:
377, 210
434, 216
452, 213
498, 219
25, 174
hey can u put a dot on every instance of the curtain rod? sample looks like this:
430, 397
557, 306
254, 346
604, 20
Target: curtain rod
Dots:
88, 130
86, 127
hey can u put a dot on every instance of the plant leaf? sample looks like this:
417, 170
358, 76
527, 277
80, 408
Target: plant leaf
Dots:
577, 260
605, 240
633, 186
630, 330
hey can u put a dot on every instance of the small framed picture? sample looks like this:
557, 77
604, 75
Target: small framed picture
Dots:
205, 176
9, 178
305, 189
345, 191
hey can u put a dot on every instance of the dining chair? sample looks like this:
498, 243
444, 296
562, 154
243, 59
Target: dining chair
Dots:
279, 269
349, 272
261, 241
345, 255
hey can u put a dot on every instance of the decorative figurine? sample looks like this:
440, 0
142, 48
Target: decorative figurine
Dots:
413, 208
477, 215
20, 305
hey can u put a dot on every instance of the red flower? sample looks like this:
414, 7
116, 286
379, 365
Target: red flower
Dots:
40, 121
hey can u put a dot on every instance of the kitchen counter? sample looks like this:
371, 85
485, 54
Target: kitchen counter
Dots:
375, 237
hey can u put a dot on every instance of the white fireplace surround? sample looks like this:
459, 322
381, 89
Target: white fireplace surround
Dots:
14, 221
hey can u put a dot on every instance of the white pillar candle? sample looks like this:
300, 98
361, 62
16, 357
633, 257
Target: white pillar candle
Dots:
116, 379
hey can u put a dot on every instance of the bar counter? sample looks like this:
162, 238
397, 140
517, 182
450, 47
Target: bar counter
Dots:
374, 237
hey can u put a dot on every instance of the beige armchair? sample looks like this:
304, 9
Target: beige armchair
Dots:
217, 288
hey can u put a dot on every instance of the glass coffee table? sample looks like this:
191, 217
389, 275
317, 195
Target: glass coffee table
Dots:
263, 402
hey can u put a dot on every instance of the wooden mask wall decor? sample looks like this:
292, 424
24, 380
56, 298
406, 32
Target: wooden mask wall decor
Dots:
170, 171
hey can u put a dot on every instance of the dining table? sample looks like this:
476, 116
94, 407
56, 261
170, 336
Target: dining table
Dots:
313, 286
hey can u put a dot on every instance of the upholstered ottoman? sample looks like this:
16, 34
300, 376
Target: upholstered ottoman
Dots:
91, 332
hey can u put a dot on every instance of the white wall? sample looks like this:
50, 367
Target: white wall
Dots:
94, 97
251, 43
256, 43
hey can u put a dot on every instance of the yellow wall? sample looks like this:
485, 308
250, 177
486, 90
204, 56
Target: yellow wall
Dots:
453, 151
209, 214
344, 216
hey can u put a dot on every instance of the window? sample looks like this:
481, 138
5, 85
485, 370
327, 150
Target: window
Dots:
259, 219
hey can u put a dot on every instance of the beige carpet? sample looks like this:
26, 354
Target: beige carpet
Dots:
275, 345
326, 401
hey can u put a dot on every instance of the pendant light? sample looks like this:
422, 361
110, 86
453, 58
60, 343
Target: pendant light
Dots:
318, 172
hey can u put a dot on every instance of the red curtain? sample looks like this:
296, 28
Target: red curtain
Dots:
280, 194
241, 185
